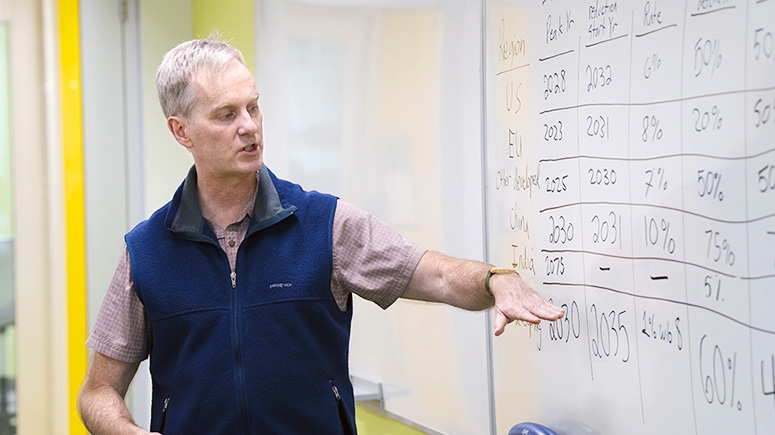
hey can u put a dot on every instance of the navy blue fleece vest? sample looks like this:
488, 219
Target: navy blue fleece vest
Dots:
261, 351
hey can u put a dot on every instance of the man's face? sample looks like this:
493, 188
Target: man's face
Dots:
225, 129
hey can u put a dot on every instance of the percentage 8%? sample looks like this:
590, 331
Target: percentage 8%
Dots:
651, 129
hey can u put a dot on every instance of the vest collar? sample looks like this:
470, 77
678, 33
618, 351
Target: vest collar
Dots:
267, 209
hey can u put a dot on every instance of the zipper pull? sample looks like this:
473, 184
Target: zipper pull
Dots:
336, 392
234, 280
164, 415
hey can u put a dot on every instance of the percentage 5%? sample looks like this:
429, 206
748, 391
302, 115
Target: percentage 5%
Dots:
709, 184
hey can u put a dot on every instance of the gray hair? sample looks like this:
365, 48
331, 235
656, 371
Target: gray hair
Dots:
179, 67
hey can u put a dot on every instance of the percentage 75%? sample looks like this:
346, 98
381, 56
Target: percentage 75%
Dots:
719, 248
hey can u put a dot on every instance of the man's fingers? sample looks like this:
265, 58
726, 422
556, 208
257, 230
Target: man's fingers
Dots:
544, 311
549, 311
501, 320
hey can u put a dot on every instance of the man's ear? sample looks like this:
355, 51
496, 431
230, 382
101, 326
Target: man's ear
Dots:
178, 127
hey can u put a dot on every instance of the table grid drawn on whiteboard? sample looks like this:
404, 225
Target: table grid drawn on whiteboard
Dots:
630, 164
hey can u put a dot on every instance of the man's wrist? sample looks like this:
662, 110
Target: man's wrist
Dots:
494, 271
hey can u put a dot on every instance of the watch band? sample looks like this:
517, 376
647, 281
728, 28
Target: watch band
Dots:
496, 270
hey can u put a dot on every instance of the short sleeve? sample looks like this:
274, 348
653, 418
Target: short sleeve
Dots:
370, 259
122, 329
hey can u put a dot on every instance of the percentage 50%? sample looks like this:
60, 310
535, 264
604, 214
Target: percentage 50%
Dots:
709, 184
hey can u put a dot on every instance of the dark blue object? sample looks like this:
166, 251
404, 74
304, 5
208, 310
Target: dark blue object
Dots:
531, 429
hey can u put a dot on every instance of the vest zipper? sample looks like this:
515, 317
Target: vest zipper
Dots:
164, 415
343, 417
333, 388
238, 353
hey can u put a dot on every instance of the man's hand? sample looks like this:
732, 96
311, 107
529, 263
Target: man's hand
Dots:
515, 300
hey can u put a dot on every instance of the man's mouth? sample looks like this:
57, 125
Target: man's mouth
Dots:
250, 147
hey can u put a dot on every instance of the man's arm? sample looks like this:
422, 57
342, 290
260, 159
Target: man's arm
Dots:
460, 283
101, 399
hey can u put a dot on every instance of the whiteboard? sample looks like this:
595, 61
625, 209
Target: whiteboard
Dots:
630, 176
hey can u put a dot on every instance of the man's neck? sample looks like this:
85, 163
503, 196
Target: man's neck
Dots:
223, 201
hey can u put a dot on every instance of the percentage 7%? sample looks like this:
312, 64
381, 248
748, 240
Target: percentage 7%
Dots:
657, 175
709, 184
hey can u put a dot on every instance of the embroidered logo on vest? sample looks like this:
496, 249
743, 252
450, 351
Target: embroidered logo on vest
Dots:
280, 285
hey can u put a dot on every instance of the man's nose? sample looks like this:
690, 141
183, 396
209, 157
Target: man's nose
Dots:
248, 123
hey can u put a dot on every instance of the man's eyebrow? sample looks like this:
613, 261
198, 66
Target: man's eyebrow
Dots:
232, 105
225, 106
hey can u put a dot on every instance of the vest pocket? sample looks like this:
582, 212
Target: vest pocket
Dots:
344, 416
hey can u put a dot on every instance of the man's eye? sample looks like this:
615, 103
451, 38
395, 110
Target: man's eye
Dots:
253, 108
227, 115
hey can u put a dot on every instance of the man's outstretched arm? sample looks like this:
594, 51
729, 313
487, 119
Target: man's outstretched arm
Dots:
460, 283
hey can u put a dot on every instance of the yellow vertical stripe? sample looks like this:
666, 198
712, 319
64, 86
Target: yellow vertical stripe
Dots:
73, 183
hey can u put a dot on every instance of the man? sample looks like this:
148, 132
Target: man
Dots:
240, 287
